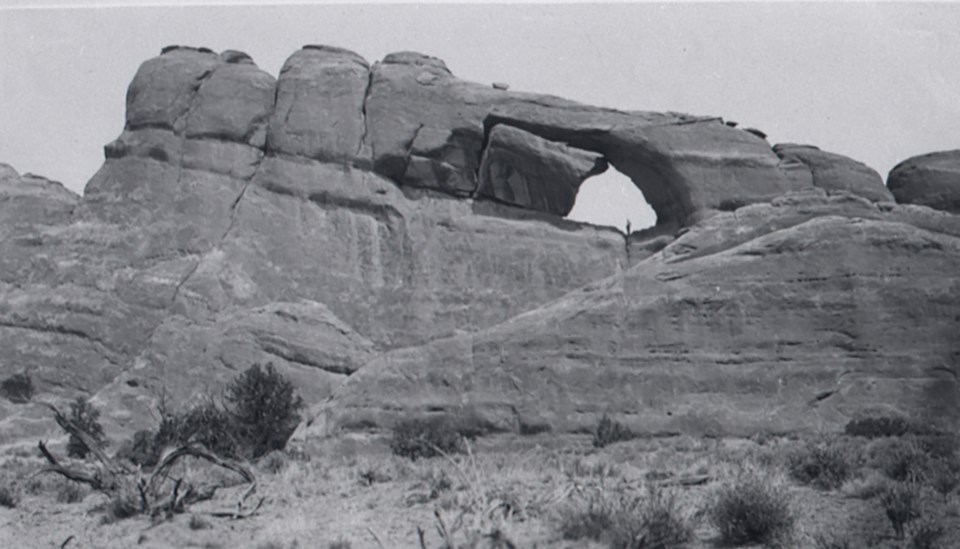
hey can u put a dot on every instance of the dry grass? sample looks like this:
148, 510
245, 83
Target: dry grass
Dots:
352, 491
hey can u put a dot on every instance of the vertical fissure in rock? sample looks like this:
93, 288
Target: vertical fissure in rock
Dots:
407, 158
363, 111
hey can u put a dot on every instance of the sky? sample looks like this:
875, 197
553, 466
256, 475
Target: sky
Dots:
876, 82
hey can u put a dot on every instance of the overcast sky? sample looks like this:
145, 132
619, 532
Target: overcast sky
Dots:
877, 82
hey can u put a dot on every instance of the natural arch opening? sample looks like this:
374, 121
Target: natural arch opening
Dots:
613, 200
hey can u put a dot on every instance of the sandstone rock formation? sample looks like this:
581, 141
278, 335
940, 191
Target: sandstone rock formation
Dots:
391, 237
929, 180
832, 172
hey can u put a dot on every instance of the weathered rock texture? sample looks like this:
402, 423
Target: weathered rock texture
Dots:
929, 180
831, 172
391, 238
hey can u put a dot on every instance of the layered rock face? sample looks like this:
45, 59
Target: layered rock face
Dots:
929, 180
391, 237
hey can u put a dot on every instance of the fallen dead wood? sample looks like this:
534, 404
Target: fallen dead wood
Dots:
117, 479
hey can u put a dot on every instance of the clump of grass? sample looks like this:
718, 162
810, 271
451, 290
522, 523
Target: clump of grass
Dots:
622, 519
9, 497
341, 543
926, 533
70, 492
197, 523
826, 465
753, 507
609, 431
901, 503
426, 438
18, 388
122, 506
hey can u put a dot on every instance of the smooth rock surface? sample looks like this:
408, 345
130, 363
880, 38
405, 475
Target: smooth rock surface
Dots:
832, 172
799, 325
928, 180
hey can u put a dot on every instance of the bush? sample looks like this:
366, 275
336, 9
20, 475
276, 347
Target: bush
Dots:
878, 426
69, 491
259, 414
826, 465
901, 504
264, 409
753, 509
17, 388
899, 459
425, 438
210, 425
86, 417
609, 431
628, 521
8, 496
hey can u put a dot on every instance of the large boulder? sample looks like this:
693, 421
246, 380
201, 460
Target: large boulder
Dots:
320, 101
831, 172
928, 180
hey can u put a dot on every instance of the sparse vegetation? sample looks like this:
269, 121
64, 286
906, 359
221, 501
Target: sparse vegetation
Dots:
753, 508
877, 426
18, 388
198, 523
425, 438
259, 413
8, 495
731, 204
69, 491
87, 418
623, 519
826, 465
609, 431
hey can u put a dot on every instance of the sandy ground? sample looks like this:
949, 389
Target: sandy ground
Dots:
352, 490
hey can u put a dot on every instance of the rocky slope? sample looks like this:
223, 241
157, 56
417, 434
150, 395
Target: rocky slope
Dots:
391, 237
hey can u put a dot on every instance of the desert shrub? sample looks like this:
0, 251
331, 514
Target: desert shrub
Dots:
123, 505
625, 520
752, 508
878, 426
609, 431
141, 450
70, 492
87, 418
17, 388
899, 459
211, 426
832, 540
425, 438
8, 496
264, 409
826, 465
926, 533
259, 413
731, 204
197, 523
901, 504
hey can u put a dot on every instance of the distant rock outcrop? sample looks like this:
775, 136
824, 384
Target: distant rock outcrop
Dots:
929, 180
391, 238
